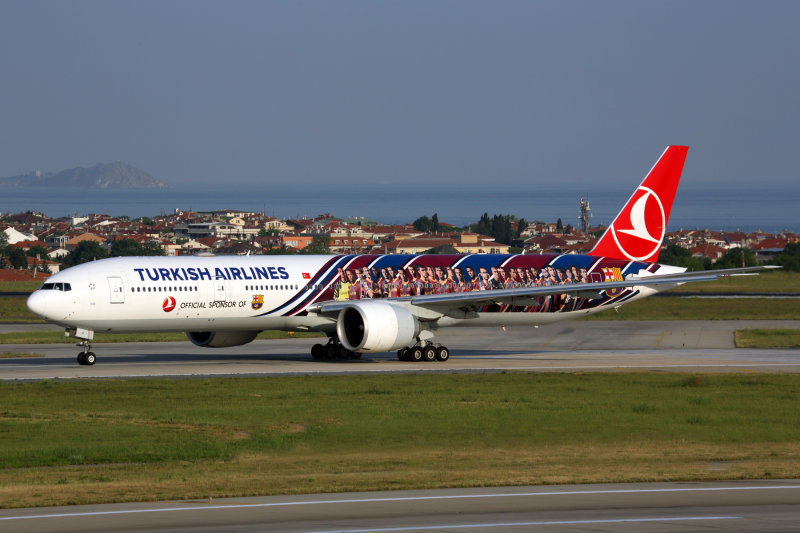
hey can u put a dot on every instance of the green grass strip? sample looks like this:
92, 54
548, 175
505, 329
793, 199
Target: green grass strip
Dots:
655, 308
13, 309
18, 286
647, 309
57, 337
15, 355
767, 338
772, 281
98, 441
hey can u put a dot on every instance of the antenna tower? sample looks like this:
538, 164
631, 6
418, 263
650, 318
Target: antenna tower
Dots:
586, 214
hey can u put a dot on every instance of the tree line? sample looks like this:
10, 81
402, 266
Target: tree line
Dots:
677, 255
15, 257
502, 228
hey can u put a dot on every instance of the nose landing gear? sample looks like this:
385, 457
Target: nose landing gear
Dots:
86, 357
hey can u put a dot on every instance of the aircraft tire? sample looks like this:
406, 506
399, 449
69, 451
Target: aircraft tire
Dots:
330, 351
90, 358
415, 354
318, 351
402, 354
342, 352
429, 354
442, 354
80, 359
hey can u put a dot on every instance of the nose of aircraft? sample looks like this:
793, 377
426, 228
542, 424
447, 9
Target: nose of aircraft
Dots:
37, 303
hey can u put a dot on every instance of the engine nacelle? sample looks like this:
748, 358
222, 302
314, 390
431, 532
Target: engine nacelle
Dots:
220, 339
375, 326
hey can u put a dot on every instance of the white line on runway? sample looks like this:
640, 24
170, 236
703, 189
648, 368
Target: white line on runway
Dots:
519, 524
400, 499
266, 371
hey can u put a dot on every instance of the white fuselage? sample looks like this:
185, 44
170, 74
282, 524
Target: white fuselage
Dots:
224, 293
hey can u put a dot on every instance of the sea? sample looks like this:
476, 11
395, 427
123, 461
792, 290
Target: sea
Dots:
746, 209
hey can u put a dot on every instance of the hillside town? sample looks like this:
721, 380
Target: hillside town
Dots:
35, 245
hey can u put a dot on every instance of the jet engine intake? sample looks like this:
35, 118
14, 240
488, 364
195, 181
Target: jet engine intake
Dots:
220, 339
375, 326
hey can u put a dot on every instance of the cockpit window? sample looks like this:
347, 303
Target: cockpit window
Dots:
56, 287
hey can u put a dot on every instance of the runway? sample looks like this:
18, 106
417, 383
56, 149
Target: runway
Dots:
639, 507
694, 346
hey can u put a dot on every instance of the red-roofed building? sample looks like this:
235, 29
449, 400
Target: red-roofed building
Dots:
545, 244
52, 266
353, 245
766, 249
711, 251
27, 245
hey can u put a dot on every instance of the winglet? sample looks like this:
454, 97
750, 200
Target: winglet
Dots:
639, 229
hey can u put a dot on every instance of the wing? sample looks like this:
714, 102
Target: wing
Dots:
463, 304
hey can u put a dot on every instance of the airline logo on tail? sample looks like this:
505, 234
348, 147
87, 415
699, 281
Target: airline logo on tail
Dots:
639, 229
644, 216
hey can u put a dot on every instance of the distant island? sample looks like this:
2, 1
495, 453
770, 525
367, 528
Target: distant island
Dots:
101, 176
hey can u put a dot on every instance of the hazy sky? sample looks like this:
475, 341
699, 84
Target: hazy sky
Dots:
501, 93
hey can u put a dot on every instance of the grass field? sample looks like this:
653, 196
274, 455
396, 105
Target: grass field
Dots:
767, 338
656, 308
17, 286
12, 309
72, 442
57, 337
16, 355
772, 281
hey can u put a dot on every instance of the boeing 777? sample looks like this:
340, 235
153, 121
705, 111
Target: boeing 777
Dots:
372, 303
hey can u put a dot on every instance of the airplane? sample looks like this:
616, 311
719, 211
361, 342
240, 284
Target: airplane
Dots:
373, 303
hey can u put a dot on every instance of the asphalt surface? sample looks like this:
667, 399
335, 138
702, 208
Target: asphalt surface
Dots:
641, 508
705, 346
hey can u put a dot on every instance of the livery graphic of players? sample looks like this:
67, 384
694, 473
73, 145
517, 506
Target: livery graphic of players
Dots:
403, 276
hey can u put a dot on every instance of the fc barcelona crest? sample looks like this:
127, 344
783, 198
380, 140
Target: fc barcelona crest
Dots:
258, 301
613, 274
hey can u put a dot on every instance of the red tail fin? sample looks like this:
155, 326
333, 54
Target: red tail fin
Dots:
639, 228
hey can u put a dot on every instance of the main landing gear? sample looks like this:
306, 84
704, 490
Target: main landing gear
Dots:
333, 350
424, 351
427, 353
86, 357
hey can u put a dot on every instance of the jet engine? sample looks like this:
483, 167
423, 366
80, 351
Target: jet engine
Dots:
220, 339
375, 326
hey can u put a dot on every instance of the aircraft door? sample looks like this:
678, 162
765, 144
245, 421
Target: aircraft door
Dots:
116, 289
220, 289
